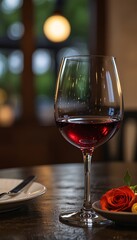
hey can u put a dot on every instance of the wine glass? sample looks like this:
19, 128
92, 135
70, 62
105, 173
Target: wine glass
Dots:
88, 112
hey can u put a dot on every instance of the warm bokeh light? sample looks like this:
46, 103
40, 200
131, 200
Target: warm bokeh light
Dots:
6, 115
57, 28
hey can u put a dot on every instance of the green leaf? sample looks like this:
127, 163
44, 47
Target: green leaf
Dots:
127, 179
134, 188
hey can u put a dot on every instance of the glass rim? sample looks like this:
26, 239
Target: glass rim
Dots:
89, 56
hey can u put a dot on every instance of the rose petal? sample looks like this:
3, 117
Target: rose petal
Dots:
118, 199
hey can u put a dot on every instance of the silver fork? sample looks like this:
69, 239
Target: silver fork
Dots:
19, 188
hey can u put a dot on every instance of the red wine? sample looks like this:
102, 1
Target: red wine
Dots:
88, 132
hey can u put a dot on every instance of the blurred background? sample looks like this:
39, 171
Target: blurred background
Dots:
30, 53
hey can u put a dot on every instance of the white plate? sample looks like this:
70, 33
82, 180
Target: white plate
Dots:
118, 217
10, 203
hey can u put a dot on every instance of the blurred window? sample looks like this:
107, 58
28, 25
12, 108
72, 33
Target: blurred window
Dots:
11, 67
11, 61
49, 57
45, 59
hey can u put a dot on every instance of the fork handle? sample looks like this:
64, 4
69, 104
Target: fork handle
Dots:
22, 185
16, 190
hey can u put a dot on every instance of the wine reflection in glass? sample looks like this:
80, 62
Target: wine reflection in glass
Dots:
88, 112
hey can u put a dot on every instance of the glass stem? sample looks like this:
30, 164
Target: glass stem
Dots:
87, 170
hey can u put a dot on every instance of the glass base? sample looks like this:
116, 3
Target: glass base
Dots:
83, 219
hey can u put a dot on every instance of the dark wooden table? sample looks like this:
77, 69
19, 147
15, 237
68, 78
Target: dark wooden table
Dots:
39, 219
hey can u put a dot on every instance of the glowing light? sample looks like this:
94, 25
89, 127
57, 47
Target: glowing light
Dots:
8, 6
15, 31
15, 62
41, 61
57, 28
6, 115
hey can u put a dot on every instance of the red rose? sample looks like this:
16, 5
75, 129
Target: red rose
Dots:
118, 199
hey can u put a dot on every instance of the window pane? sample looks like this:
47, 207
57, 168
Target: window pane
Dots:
45, 68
